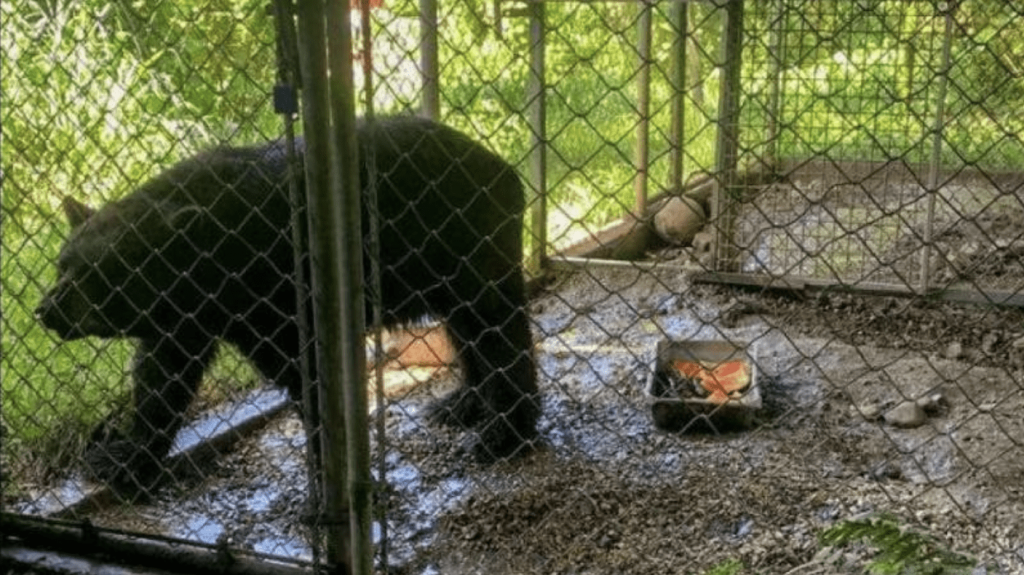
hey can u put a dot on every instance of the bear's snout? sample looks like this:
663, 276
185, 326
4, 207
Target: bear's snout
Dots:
64, 315
53, 318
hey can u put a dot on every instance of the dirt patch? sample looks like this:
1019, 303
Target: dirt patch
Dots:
616, 497
882, 223
978, 335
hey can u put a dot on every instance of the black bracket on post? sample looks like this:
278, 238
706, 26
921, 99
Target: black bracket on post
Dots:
286, 100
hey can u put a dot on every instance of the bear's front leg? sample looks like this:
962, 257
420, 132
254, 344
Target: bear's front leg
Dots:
166, 372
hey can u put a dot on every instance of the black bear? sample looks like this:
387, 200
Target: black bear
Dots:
202, 253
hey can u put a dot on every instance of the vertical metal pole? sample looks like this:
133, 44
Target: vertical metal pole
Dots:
643, 102
365, 25
324, 224
727, 144
777, 52
345, 396
429, 67
288, 63
936, 159
679, 17
537, 115
374, 300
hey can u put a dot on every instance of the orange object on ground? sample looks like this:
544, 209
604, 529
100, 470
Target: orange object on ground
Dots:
428, 346
726, 378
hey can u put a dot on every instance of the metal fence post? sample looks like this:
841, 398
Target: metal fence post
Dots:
429, 67
372, 283
727, 141
346, 396
537, 113
679, 19
936, 159
777, 54
336, 257
643, 102
324, 244
288, 73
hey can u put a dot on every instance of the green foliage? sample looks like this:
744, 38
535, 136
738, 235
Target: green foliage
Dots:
900, 550
96, 98
92, 107
728, 567
864, 83
591, 73
218, 57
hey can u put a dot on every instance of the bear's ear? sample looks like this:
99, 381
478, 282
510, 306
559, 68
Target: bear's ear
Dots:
185, 218
76, 211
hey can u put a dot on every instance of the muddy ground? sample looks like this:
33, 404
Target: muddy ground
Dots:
606, 492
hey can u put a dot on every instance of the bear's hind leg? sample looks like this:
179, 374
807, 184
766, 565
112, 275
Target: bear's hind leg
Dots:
499, 397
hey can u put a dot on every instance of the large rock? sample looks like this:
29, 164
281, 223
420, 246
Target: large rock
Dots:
679, 220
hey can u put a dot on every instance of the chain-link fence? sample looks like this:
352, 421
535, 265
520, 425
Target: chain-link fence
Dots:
692, 286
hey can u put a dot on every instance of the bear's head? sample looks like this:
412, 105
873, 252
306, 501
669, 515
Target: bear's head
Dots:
117, 269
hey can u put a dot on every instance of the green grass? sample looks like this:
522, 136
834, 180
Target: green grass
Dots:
54, 393
727, 567
88, 112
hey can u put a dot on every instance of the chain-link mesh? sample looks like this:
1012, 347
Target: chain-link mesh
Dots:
97, 100
776, 325
893, 129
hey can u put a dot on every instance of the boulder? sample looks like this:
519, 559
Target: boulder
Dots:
679, 220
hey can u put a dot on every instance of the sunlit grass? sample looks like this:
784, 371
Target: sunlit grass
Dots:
54, 393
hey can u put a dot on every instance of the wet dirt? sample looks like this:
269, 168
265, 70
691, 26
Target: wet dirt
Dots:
606, 492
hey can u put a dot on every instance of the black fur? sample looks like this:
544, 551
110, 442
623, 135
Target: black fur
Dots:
203, 253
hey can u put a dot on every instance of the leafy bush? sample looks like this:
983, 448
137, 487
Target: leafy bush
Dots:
899, 550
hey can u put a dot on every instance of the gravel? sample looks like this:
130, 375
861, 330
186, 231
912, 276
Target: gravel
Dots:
608, 493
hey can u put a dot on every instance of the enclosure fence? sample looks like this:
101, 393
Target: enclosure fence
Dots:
588, 287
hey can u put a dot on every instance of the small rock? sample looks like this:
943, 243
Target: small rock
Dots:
906, 414
704, 249
885, 470
869, 411
931, 403
608, 540
970, 249
744, 528
988, 343
955, 350
1018, 343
